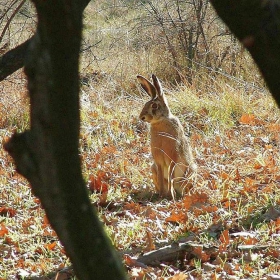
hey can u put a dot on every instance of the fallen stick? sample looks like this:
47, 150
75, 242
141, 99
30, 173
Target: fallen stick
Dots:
175, 251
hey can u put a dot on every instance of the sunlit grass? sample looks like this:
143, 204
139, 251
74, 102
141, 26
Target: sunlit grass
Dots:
238, 168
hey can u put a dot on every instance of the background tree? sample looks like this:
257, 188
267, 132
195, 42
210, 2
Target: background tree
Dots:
183, 26
47, 154
256, 24
190, 38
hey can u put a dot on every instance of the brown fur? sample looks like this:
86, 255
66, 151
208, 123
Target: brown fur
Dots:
171, 151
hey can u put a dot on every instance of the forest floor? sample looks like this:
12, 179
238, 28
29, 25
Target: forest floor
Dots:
229, 221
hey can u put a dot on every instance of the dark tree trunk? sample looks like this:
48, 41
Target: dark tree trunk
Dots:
13, 60
47, 155
256, 23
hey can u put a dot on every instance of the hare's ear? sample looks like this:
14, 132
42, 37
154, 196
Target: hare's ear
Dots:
147, 86
159, 89
157, 85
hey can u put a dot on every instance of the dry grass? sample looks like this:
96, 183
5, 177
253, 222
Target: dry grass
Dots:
233, 125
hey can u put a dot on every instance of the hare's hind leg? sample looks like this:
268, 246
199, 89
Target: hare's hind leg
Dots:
171, 179
159, 181
185, 183
155, 176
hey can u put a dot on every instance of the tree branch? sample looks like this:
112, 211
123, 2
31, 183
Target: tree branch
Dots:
10, 19
175, 251
14, 59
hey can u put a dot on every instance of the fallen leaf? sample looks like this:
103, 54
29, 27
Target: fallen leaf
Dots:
129, 261
3, 230
150, 243
275, 253
251, 241
103, 199
46, 222
248, 119
274, 127
200, 254
179, 276
193, 199
224, 239
237, 175
6, 211
109, 150
96, 183
50, 246
176, 217
248, 268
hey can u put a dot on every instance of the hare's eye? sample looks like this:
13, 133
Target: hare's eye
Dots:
154, 106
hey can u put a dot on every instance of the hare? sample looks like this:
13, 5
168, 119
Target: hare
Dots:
173, 163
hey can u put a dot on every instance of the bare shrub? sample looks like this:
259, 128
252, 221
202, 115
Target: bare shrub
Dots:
17, 23
180, 41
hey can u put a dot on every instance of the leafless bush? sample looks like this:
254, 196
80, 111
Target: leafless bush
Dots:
180, 40
193, 36
17, 19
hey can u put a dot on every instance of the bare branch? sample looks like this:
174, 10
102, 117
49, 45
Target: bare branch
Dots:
10, 19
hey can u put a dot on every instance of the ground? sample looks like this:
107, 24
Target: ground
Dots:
231, 216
